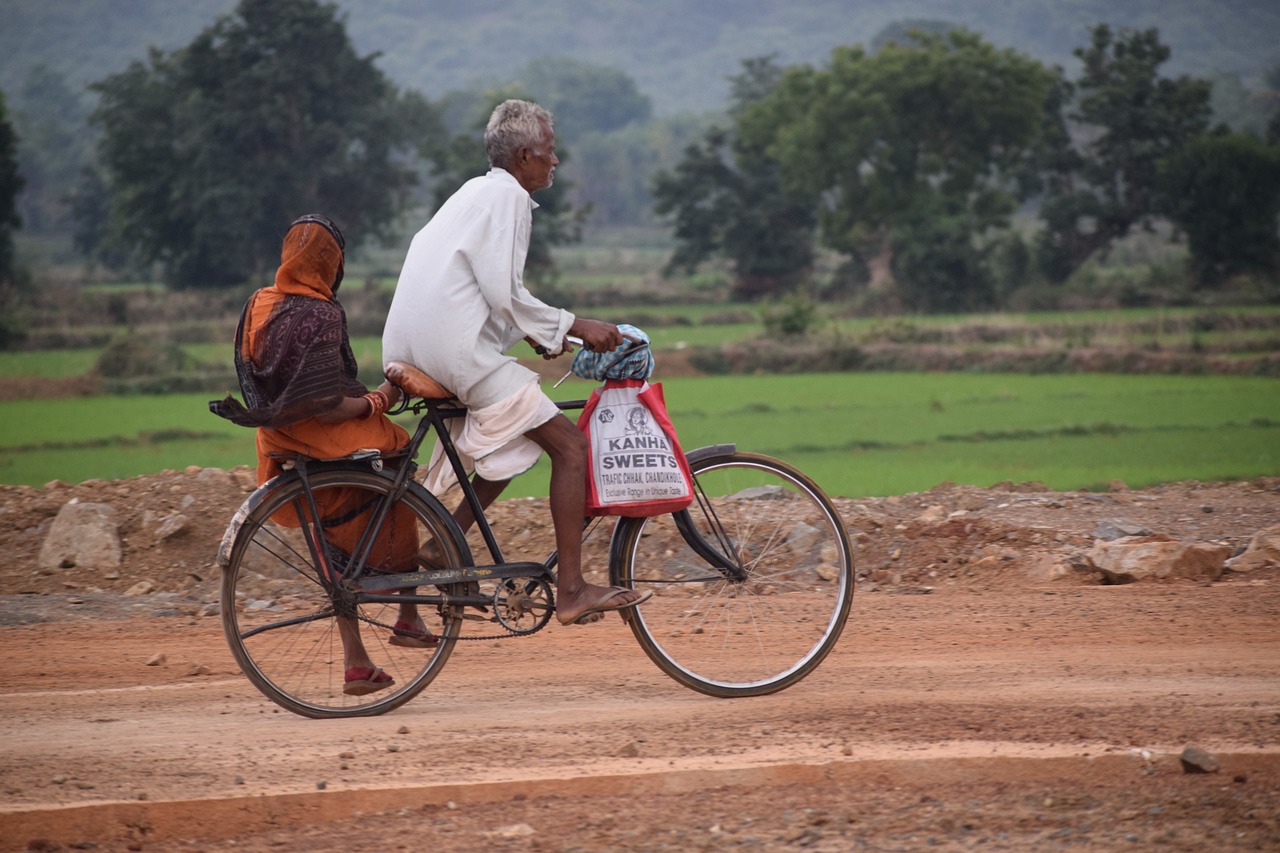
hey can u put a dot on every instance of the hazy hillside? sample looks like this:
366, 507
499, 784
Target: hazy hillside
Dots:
679, 51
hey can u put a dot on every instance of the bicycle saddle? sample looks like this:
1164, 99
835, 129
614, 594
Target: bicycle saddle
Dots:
415, 382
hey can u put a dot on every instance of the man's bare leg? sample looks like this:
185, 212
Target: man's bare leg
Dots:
487, 491
567, 447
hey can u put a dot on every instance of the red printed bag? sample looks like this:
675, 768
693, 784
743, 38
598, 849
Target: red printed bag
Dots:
637, 467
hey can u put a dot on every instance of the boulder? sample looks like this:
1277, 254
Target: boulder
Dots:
1263, 552
83, 534
1137, 557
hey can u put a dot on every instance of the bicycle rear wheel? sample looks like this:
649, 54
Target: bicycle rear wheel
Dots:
751, 585
281, 621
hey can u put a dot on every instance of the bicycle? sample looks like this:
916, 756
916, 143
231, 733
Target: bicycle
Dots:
752, 584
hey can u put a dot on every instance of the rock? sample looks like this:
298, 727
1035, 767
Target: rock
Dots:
198, 669
1263, 552
515, 830
1135, 558
1117, 528
931, 515
1043, 568
171, 524
1196, 760
140, 588
83, 534
157, 659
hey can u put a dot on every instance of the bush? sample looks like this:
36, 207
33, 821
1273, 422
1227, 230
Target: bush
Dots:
133, 356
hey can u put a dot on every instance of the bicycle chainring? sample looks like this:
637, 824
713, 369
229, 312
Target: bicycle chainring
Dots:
523, 605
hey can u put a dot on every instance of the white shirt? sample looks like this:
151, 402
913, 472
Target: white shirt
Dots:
460, 302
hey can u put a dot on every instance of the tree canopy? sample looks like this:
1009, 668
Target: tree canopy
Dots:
725, 198
1223, 192
10, 186
210, 151
1128, 119
916, 154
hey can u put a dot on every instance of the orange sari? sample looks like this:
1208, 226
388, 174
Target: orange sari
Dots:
311, 261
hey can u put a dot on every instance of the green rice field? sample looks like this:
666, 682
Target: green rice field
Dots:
857, 434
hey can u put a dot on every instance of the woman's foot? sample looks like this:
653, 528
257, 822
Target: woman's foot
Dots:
361, 680
413, 634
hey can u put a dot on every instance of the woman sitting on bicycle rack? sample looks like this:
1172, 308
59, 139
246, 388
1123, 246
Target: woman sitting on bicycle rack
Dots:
461, 303
298, 377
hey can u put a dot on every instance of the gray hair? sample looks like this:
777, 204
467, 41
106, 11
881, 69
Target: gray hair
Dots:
512, 126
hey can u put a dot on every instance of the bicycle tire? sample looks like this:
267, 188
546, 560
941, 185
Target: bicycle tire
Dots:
280, 621
765, 630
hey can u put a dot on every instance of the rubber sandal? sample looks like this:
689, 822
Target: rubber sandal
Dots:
408, 637
360, 680
596, 612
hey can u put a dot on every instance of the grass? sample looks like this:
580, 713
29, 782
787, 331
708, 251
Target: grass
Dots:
856, 434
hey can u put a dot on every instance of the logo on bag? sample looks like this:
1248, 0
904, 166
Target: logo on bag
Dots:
638, 422
605, 416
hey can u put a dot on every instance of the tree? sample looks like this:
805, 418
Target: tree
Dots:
1128, 119
726, 197
585, 98
207, 153
11, 183
919, 154
10, 188
1223, 191
50, 118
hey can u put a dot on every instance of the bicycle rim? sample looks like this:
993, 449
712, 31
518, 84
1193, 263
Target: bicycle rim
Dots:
770, 626
280, 621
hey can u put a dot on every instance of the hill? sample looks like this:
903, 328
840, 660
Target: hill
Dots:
679, 52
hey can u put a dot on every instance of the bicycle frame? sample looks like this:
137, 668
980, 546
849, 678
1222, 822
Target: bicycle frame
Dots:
351, 582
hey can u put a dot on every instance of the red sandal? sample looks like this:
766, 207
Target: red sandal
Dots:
360, 680
409, 637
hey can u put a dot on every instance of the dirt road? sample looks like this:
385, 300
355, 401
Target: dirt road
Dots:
1036, 719
1010, 714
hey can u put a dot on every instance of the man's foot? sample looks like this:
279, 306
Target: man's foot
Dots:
360, 680
592, 602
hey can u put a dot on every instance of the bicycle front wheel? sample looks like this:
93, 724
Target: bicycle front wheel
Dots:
751, 585
285, 626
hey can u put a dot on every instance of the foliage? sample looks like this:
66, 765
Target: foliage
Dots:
11, 183
53, 148
793, 317
208, 152
131, 355
918, 152
1223, 191
1104, 183
727, 199
585, 97
10, 186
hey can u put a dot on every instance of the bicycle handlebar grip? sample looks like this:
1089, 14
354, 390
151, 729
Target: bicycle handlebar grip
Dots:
415, 382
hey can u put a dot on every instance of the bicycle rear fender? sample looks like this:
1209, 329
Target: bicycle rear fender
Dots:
237, 519
251, 502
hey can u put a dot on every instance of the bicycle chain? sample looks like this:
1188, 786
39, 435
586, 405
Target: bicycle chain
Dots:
507, 636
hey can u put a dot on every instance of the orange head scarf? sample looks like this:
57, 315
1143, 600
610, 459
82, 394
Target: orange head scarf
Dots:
311, 258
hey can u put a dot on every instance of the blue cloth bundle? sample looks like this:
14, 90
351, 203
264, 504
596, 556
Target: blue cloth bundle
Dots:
628, 361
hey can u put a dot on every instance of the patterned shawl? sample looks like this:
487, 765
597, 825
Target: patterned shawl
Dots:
293, 358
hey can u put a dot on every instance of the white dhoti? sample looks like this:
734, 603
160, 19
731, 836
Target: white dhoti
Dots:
491, 441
